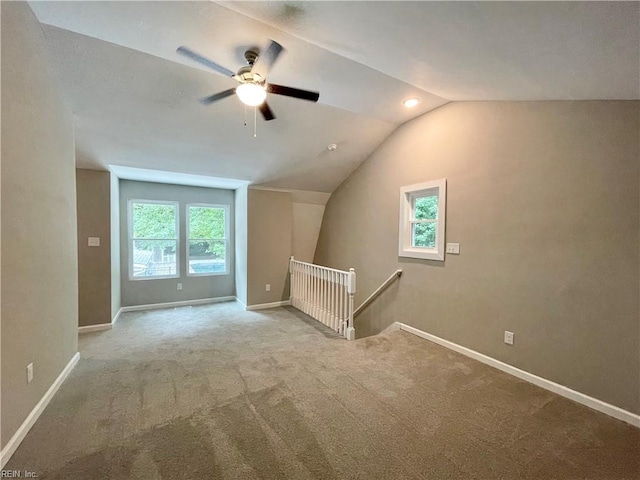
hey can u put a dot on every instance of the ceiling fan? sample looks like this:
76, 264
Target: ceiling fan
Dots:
252, 77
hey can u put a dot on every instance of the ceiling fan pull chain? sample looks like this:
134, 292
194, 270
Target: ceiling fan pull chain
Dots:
245, 115
255, 122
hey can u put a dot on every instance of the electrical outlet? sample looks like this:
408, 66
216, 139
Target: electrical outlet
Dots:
29, 372
179, 286
267, 287
508, 338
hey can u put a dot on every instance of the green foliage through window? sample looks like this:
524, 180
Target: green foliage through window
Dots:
425, 214
151, 220
207, 238
154, 239
424, 235
206, 223
426, 208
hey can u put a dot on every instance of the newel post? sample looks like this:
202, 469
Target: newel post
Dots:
350, 333
291, 290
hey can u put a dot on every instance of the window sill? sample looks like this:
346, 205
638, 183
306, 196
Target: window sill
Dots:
152, 277
424, 254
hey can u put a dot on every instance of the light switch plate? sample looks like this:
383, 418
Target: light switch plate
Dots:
94, 241
508, 337
453, 248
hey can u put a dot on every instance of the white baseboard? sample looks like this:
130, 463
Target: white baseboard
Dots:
101, 326
17, 438
262, 306
242, 304
95, 328
182, 303
394, 327
566, 392
117, 317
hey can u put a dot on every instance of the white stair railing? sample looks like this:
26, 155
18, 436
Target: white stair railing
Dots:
325, 294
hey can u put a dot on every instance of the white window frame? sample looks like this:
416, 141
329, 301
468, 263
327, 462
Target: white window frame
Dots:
131, 239
227, 223
407, 196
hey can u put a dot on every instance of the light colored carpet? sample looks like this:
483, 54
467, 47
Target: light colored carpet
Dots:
214, 392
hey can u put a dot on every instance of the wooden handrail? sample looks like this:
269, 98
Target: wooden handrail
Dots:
379, 290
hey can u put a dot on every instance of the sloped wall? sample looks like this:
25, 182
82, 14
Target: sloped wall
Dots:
544, 199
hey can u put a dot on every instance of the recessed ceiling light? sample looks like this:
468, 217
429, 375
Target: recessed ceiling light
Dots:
411, 102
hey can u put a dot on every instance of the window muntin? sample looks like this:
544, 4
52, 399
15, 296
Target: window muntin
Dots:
153, 240
207, 239
422, 220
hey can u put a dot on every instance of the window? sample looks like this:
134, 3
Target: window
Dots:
207, 239
153, 239
422, 211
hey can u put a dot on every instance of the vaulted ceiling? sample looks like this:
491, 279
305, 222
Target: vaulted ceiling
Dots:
135, 100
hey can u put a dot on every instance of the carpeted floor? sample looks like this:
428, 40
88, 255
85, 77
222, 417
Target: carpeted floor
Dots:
214, 392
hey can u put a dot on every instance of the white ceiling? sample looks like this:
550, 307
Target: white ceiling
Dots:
478, 50
135, 100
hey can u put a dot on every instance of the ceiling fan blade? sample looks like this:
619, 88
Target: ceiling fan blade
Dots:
267, 58
266, 111
204, 61
217, 96
293, 92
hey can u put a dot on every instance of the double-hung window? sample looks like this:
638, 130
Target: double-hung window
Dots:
422, 220
153, 239
207, 239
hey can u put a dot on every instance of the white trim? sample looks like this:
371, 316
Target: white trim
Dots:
95, 328
407, 196
227, 227
606, 408
262, 306
130, 239
117, 317
242, 304
175, 178
17, 438
182, 303
101, 326
394, 327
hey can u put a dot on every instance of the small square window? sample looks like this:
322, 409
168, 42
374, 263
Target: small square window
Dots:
422, 220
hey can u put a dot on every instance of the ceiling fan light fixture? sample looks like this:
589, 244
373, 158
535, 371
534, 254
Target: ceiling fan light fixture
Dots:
251, 94
411, 102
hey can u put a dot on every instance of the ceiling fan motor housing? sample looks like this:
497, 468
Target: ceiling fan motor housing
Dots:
251, 56
253, 86
244, 75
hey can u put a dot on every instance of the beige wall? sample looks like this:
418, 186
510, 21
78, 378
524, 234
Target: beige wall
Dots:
241, 199
543, 198
114, 207
39, 251
270, 219
94, 263
307, 219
